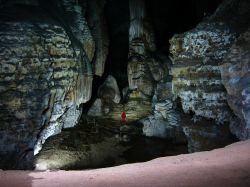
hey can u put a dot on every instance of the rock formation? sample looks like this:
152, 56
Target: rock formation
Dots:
83, 47
46, 73
236, 79
197, 55
108, 106
50, 51
98, 27
166, 119
109, 90
143, 69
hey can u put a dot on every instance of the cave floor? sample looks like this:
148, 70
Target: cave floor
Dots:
102, 145
227, 166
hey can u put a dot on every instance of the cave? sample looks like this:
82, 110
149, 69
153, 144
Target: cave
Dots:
90, 84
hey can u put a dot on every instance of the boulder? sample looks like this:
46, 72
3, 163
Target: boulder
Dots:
166, 119
109, 90
96, 108
206, 135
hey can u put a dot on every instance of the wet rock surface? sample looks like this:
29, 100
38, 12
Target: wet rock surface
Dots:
95, 144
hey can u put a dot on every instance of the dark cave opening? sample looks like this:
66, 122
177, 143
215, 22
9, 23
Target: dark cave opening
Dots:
117, 17
117, 13
167, 18
174, 17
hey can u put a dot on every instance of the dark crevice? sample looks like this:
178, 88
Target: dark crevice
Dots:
117, 12
117, 16
173, 17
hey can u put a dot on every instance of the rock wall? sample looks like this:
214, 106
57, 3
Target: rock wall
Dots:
45, 74
196, 71
109, 90
236, 79
35, 83
98, 26
196, 56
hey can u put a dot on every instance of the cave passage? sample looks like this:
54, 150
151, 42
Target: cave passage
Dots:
70, 68
95, 142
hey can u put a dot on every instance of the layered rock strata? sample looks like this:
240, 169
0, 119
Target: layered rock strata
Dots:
98, 26
196, 56
236, 79
45, 75
148, 76
37, 84
143, 69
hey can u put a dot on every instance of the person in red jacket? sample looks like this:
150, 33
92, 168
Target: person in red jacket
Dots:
123, 118
123, 135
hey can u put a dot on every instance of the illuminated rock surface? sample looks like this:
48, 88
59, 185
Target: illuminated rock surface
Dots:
96, 143
45, 75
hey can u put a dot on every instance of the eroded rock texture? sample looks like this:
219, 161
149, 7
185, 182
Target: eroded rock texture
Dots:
236, 78
197, 55
34, 83
196, 74
203, 135
143, 69
99, 31
166, 119
45, 74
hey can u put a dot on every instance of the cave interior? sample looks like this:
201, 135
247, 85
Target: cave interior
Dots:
178, 70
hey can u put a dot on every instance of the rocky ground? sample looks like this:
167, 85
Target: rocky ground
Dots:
228, 166
90, 145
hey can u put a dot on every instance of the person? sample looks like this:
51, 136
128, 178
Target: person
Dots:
123, 118
123, 135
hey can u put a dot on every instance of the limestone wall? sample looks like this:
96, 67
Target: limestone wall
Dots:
236, 79
197, 55
45, 74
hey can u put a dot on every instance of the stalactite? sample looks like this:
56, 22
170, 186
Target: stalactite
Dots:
137, 14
